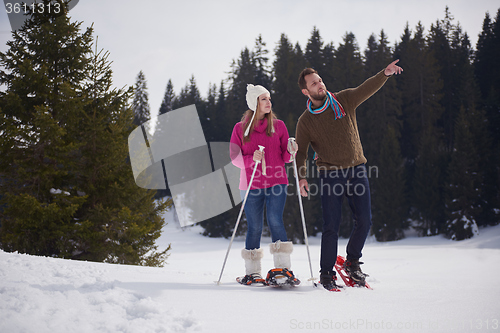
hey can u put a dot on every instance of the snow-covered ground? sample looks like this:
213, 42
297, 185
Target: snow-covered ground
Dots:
419, 285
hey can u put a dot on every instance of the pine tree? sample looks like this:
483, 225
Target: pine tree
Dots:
167, 105
314, 52
168, 99
219, 118
487, 71
289, 104
252, 68
439, 44
486, 59
288, 101
460, 91
427, 192
69, 191
388, 196
190, 94
218, 129
122, 220
207, 113
463, 186
263, 73
421, 88
242, 73
421, 142
452, 50
384, 107
38, 109
378, 120
140, 104
347, 70
486, 187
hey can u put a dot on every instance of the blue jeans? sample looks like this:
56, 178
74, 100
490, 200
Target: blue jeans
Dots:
335, 184
274, 199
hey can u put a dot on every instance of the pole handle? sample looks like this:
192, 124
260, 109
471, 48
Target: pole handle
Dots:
261, 149
293, 141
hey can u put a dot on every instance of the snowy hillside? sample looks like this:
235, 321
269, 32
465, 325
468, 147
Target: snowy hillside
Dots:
420, 285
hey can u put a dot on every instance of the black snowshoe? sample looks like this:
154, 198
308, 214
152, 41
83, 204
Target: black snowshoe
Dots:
279, 277
254, 278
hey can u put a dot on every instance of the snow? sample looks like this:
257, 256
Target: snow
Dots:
56, 191
428, 284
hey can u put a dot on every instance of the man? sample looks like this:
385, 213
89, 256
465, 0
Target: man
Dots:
329, 126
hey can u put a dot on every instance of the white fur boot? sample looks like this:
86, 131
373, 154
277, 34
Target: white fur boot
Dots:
252, 260
281, 252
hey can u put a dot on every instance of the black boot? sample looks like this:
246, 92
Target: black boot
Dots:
354, 271
327, 280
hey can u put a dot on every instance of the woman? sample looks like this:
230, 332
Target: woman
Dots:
259, 127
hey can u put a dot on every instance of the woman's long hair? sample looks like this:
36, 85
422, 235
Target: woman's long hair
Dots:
247, 116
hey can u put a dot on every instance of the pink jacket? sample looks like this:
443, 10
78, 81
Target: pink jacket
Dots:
275, 154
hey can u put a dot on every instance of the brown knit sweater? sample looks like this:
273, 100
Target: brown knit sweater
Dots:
336, 142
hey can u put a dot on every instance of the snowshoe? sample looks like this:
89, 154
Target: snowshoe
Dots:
250, 279
279, 277
328, 281
351, 273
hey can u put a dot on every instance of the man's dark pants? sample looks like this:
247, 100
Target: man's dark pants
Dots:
335, 184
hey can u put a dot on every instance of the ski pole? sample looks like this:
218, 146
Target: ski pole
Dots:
302, 214
261, 148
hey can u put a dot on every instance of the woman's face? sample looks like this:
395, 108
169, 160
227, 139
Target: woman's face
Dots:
265, 105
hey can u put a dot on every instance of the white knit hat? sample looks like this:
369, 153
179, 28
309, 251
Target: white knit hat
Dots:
253, 93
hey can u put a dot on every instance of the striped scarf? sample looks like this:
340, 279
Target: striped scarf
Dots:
338, 110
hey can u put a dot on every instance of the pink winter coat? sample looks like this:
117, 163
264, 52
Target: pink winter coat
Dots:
275, 154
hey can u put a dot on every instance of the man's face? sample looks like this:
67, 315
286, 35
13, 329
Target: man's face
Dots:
316, 89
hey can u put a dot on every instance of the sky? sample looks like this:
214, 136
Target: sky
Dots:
178, 39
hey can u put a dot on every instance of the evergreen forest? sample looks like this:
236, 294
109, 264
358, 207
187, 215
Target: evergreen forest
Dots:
431, 136
66, 186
